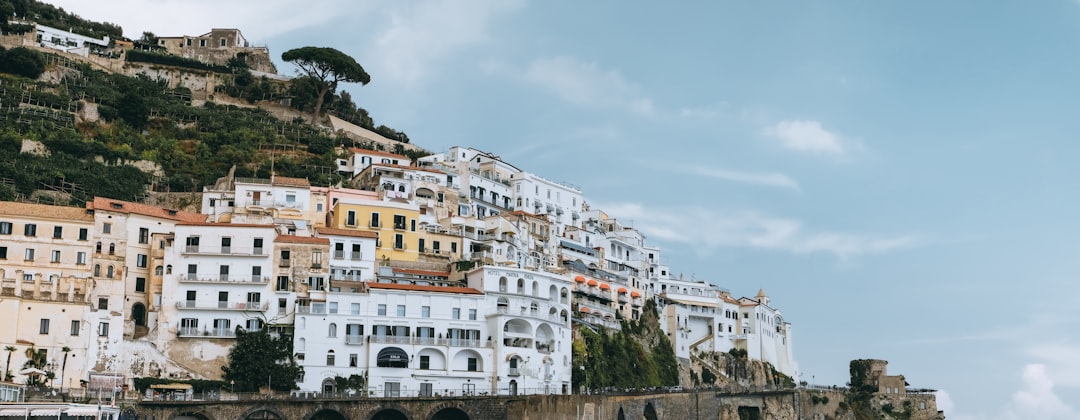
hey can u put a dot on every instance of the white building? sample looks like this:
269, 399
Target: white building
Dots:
70, 42
560, 201
766, 335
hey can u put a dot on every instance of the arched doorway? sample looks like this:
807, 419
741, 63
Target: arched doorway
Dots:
513, 387
389, 414
327, 414
621, 415
263, 415
650, 412
450, 413
191, 416
138, 314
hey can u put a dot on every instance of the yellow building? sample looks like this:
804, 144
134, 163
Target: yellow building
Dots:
395, 221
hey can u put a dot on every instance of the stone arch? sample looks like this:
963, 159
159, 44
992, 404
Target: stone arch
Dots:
436, 358
326, 414
263, 413
138, 314
192, 415
650, 412
621, 415
449, 411
389, 413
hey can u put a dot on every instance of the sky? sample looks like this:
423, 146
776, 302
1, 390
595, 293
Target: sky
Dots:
900, 177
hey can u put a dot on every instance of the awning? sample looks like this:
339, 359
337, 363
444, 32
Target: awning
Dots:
11, 412
183, 387
579, 279
584, 310
80, 411
392, 357
604, 286
635, 294
592, 283
51, 412
622, 290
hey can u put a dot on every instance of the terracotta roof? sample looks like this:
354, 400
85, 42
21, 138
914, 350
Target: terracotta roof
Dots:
45, 211
290, 182
225, 225
422, 272
348, 232
119, 206
293, 239
376, 153
418, 288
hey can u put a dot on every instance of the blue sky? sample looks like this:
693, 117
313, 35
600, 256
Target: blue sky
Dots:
900, 177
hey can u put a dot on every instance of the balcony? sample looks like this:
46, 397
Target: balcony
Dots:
223, 306
285, 263
195, 332
452, 342
513, 372
354, 339
252, 279
228, 250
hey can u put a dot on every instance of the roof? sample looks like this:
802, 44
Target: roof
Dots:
418, 288
578, 248
377, 153
290, 182
45, 211
348, 232
119, 206
293, 239
422, 272
761, 293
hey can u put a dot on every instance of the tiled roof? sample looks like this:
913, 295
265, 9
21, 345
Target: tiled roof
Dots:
377, 153
293, 239
422, 272
290, 182
45, 211
417, 288
348, 232
119, 206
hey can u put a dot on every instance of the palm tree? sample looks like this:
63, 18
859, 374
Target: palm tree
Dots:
63, 367
7, 368
35, 358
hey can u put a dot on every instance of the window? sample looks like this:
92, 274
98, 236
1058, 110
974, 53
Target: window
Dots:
382, 309
29, 255
316, 259
453, 247
75, 327
257, 246
31, 230
399, 222
3, 252
354, 309
58, 232
355, 254
375, 220
332, 331
456, 313
401, 310
399, 241
103, 303
333, 307
103, 329
425, 312
80, 258
223, 272
282, 304
112, 248
472, 314
425, 362
253, 324
144, 235
191, 244
339, 250
97, 270
350, 218
473, 367
330, 358
253, 299
285, 255
226, 245
55, 256
353, 359
106, 227
140, 261
202, 42
43, 327
5, 228
140, 284
256, 274
282, 283
391, 389
97, 248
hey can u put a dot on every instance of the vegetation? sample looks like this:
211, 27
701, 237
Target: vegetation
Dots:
325, 68
7, 366
637, 356
22, 61
172, 60
258, 359
57, 17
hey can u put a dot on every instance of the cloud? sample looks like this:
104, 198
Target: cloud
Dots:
713, 229
585, 84
944, 402
1037, 400
806, 136
415, 39
769, 179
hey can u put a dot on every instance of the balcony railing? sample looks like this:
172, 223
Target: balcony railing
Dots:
513, 372
354, 339
229, 250
452, 342
224, 278
234, 306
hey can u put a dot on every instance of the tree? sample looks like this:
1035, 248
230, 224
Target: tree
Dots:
327, 67
7, 367
259, 358
22, 61
37, 359
63, 367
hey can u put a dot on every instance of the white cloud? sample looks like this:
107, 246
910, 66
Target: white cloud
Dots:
1037, 400
944, 402
585, 84
806, 136
770, 179
417, 38
714, 229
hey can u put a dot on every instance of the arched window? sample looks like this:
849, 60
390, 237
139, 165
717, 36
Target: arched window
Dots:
112, 248
330, 358
502, 284
97, 270
521, 286
300, 344
535, 288
109, 272
159, 270
168, 269
97, 248
332, 330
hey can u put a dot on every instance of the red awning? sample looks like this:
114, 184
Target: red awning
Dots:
579, 279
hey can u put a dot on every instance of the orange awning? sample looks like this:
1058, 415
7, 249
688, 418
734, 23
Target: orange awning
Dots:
635, 294
579, 279
592, 283
604, 286
622, 290
583, 310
